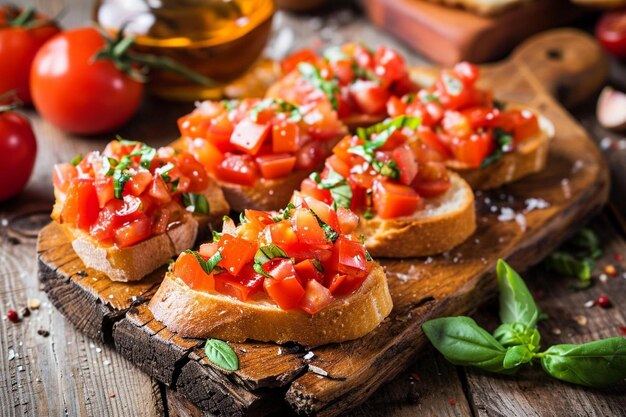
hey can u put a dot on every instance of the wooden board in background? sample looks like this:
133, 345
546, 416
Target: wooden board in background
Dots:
575, 185
448, 35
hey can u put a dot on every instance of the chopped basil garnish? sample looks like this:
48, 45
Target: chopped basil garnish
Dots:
267, 253
175, 185
317, 264
108, 165
242, 218
120, 178
285, 213
164, 170
282, 106
428, 98
209, 265
504, 144
386, 128
216, 235
368, 215
500, 105
76, 160
230, 104
339, 188
313, 76
195, 203
330, 233
258, 268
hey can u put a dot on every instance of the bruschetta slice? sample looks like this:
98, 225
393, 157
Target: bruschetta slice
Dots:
130, 208
488, 143
259, 150
298, 275
409, 203
354, 80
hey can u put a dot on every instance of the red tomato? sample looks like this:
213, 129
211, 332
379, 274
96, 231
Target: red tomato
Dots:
137, 184
62, 175
76, 93
282, 233
431, 188
453, 93
239, 169
396, 106
307, 228
18, 149
302, 251
249, 136
324, 212
611, 32
204, 151
259, 218
236, 253
291, 62
276, 165
316, 297
370, 97
310, 188
306, 271
404, 158
474, 149
81, 204
134, 232
310, 155
189, 270
390, 65
394, 200
284, 287
285, 136
348, 220
348, 257
18, 46
243, 286
469, 73
105, 191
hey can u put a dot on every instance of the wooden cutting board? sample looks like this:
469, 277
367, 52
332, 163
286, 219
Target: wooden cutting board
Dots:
574, 186
447, 35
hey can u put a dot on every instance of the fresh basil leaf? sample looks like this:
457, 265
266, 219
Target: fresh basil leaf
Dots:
230, 104
504, 144
500, 105
317, 264
267, 253
426, 97
330, 233
195, 203
216, 236
120, 178
125, 142
368, 256
388, 169
210, 264
516, 356
313, 76
566, 264
76, 160
175, 185
463, 342
339, 188
164, 170
108, 165
595, 364
285, 213
368, 215
586, 244
516, 303
513, 334
147, 155
221, 354
281, 106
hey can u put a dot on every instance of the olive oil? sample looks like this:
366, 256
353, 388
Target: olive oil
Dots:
220, 39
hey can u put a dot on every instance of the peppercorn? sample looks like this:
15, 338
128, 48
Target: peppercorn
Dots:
13, 316
603, 301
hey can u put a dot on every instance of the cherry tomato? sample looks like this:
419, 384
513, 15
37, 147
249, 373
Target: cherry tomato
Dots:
18, 46
18, 149
78, 94
611, 32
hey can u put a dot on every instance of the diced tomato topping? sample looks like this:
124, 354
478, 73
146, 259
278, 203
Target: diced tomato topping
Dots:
283, 287
63, 175
348, 257
243, 286
249, 136
282, 233
285, 136
348, 220
404, 158
136, 185
208, 249
134, 232
474, 149
276, 165
189, 270
291, 62
301, 251
310, 188
307, 270
236, 252
307, 228
370, 97
394, 200
258, 218
104, 189
238, 169
81, 205
324, 212
316, 297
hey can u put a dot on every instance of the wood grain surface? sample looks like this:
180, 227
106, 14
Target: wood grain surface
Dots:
68, 374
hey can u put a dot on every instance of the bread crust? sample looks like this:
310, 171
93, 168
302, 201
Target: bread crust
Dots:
445, 222
197, 314
529, 156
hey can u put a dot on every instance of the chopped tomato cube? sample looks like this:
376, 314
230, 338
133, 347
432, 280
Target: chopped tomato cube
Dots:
316, 297
159, 191
333, 281
282, 233
259, 218
407, 165
161, 220
307, 227
236, 253
348, 220
291, 62
249, 136
324, 212
338, 165
243, 286
301, 251
207, 153
394, 200
238, 169
284, 287
81, 207
189, 270
348, 257
431, 188
63, 175
467, 72
208, 249
310, 155
474, 149
104, 189
133, 232
310, 188
285, 137
370, 97
306, 271
276, 165
138, 183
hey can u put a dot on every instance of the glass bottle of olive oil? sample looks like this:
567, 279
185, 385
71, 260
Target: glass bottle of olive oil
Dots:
220, 39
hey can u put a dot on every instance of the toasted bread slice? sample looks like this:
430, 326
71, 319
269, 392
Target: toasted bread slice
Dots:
192, 313
265, 194
445, 222
483, 7
134, 262
528, 157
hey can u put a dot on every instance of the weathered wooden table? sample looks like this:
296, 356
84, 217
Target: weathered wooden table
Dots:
65, 373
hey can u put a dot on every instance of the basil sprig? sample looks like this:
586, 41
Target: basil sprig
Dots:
313, 76
265, 254
340, 190
383, 131
221, 354
330, 234
117, 169
504, 144
516, 342
576, 258
210, 264
280, 105
195, 203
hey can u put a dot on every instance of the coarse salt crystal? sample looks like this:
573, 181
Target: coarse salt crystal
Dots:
605, 143
520, 219
309, 356
603, 277
317, 370
565, 187
506, 214
429, 260
535, 204
11, 354
589, 304
106, 362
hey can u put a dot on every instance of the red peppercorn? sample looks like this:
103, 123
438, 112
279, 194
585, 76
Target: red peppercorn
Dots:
603, 301
622, 330
452, 402
619, 257
13, 316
